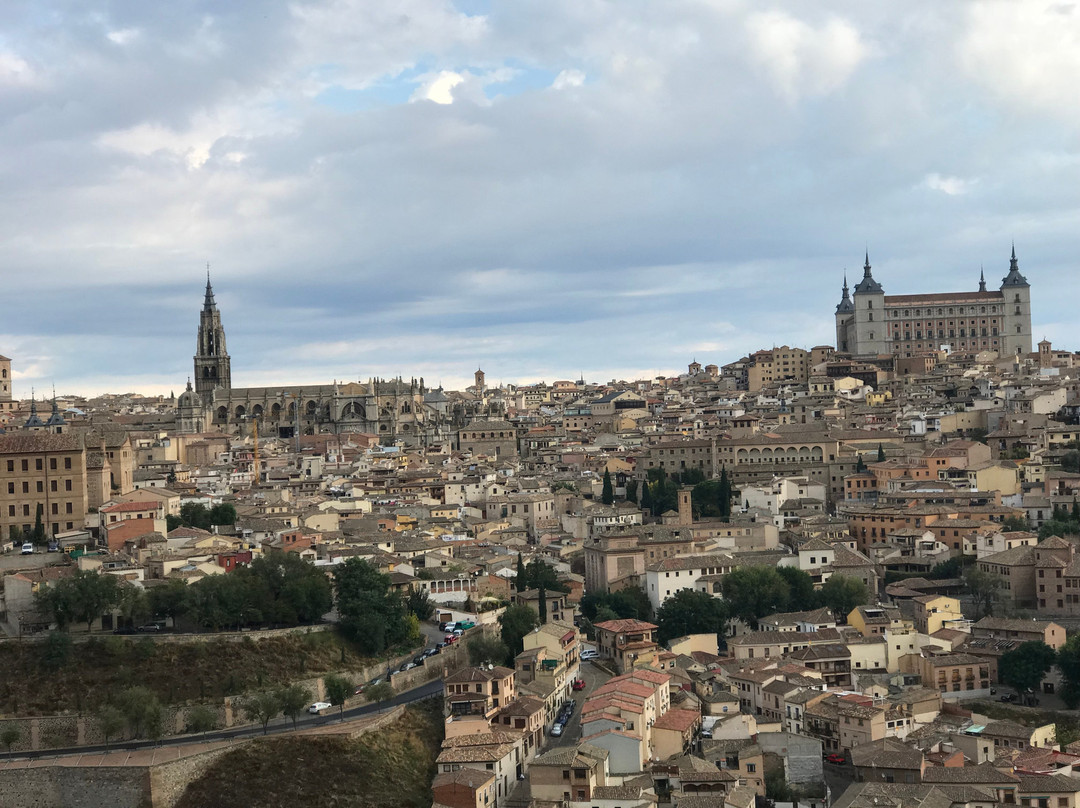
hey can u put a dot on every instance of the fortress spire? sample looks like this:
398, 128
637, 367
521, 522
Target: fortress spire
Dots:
982, 280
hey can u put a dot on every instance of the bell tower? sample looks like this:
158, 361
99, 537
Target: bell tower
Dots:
212, 364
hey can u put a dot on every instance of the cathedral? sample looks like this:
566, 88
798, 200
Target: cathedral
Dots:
395, 409
871, 323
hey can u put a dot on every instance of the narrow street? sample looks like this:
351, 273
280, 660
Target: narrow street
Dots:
594, 677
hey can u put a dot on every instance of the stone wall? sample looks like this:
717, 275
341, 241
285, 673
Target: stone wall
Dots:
75, 787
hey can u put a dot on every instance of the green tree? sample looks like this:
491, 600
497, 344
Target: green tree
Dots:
1070, 461
370, 614
842, 593
691, 611
880, 453
607, 496
223, 513
776, 786
141, 710
801, 593
1026, 666
487, 650
38, 536
632, 491
541, 602
521, 580
292, 699
754, 592
1015, 523
1068, 661
172, 522
646, 498
380, 693
9, 736
605, 613
1066, 731
55, 651
260, 707
983, 587
419, 604
338, 690
195, 514
201, 719
111, 721
84, 596
517, 621
1059, 527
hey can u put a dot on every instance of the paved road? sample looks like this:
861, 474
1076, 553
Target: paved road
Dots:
275, 727
594, 677
15, 561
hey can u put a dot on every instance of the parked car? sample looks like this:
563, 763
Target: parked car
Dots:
27, 548
1008, 697
590, 654
556, 730
450, 639
458, 632
419, 659
409, 667
358, 690
465, 625
836, 759
318, 707
439, 646
579, 684
150, 627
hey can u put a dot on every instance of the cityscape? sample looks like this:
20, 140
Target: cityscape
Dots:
577, 404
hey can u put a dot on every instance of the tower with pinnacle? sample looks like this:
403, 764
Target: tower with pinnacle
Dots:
212, 365
870, 323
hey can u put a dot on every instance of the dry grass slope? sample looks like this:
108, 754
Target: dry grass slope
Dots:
175, 671
388, 768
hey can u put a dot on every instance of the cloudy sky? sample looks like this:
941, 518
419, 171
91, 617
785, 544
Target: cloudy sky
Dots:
545, 188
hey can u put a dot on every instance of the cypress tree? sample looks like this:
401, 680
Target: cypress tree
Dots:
646, 497
1076, 510
542, 593
608, 495
880, 453
725, 495
521, 582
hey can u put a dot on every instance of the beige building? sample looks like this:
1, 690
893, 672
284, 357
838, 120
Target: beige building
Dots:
490, 438
935, 612
41, 470
781, 365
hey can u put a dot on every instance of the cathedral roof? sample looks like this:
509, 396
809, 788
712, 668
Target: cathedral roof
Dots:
1014, 278
845, 306
868, 286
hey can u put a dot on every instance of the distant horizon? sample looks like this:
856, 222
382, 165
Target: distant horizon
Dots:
617, 188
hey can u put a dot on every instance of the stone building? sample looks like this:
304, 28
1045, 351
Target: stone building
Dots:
871, 323
47, 471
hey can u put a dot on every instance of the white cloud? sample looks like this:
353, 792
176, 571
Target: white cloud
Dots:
801, 59
437, 87
1027, 53
568, 78
14, 70
122, 36
952, 186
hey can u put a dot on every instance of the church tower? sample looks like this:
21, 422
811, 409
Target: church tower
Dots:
1016, 324
869, 318
212, 365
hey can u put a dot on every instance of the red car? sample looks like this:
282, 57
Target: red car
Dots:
579, 684
451, 639
836, 759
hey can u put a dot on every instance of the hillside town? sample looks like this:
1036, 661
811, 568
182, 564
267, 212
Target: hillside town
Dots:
826, 576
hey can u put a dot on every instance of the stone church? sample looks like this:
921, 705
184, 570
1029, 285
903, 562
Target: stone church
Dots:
394, 409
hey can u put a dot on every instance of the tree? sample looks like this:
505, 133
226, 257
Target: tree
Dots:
55, 651
631, 491
487, 650
801, 593
607, 496
382, 692
776, 786
370, 614
983, 587
517, 621
691, 611
84, 596
292, 699
223, 513
1026, 666
338, 690
646, 498
1068, 661
754, 592
195, 514
111, 721
1015, 523
141, 710
172, 522
1070, 461
260, 707
880, 453
842, 593
418, 603
860, 465
10, 735
1059, 527
521, 580
38, 536
541, 602
201, 719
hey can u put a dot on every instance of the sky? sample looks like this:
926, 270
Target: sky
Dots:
546, 189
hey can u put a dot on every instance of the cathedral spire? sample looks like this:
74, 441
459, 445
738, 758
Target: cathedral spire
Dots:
1014, 278
982, 280
845, 304
208, 301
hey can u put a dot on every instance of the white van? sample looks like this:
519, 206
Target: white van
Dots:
28, 548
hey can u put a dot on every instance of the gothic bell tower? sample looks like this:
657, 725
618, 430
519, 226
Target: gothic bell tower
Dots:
212, 364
